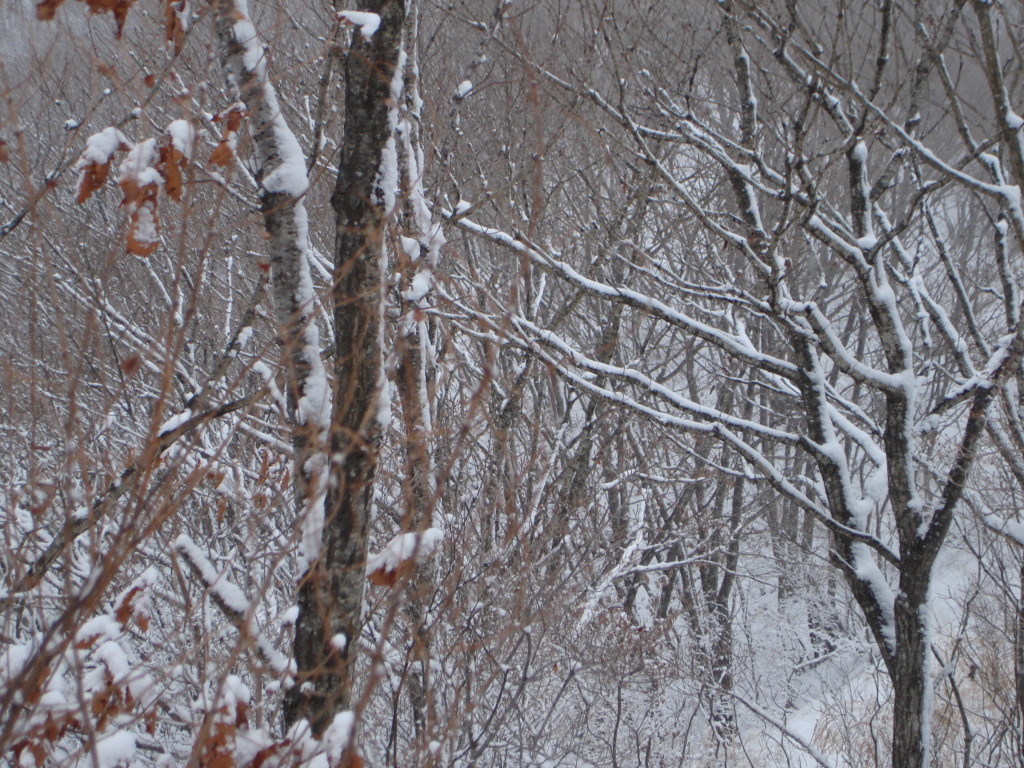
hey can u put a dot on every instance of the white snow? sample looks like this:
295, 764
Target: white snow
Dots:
232, 597
421, 284
182, 136
100, 147
13, 660
289, 176
145, 229
860, 151
311, 523
387, 176
96, 627
137, 166
112, 748
367, 22
464, 89
403, 547
175, 421
384, 404
338, 735
410, 247
290, 616
868, 571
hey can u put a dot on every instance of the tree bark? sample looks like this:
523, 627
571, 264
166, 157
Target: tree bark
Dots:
331, 592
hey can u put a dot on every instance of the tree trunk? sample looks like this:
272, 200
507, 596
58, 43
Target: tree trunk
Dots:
911, 733
331, 591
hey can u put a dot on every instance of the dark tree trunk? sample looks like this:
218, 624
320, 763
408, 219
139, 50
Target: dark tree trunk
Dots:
912, 695
331, 592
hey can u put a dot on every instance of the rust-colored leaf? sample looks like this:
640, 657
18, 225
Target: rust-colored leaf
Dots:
234, 119
267, 752
150, 720
118, 7
32, 696
174, 31
242, 715
221, 760
51, 731
4, 156
46, 10
109, 71
38, 752
93, 176
99, 704
387, 577
382, 577
221, 155
143, 222
125, 609
170, 166
131, 364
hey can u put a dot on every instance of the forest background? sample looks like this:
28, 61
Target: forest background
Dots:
542, 383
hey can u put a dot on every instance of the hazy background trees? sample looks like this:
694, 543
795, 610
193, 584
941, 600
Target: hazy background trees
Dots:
702, 261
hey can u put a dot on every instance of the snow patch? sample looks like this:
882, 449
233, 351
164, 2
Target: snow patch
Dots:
367, 22
111, 749
100, 147
404, 547
174, 422
231, 596
182, 137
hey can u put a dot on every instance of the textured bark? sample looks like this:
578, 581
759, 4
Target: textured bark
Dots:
282, 220
331, 592
414, 379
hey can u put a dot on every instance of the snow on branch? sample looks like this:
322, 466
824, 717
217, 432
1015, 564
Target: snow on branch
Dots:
734, 345
400, 555
367, 22
229, 598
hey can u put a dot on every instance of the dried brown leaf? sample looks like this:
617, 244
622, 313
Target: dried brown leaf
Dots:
222, 154
174, 31
170, 166
92, 177
47, 9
